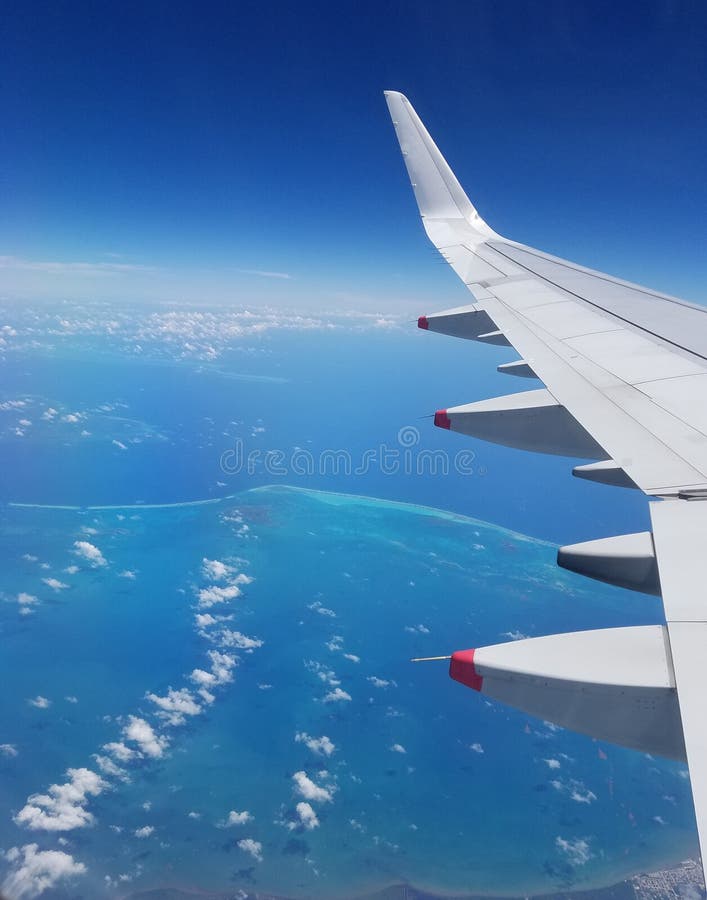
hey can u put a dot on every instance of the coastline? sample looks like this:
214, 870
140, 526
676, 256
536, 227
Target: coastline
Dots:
641, 886
324, 496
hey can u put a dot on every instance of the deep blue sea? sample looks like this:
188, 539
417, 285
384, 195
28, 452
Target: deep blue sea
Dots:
208, 612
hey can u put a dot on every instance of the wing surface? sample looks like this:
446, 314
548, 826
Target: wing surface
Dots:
624, 370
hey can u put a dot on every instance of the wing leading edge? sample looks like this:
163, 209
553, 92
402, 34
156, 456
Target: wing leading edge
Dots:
624, 370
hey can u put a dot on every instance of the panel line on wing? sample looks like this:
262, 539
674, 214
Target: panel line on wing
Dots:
608, 312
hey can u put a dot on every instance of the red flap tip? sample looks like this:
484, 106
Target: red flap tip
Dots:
423, 323
442, 420
462, 669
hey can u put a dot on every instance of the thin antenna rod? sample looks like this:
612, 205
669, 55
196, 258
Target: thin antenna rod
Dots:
429, 658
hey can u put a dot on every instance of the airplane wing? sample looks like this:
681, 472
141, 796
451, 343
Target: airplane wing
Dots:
624, 370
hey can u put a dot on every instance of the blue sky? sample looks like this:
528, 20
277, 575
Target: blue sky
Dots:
208, 142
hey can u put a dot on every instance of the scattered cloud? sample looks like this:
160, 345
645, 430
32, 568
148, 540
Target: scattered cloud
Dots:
40, 702
264, 273
552, 763
110, 768
238, 641
582, 795
577, 851
120, 751
8, 750
380, 682
176, 706
63, 807
145, 831
236, 818
71, 268
214, 594
215, 570
310, 790
55, 584
398, 748
90, 553
142, 733
254, 848
477, 748
337, 696
322, 746
307, 817
35, 871
322, 610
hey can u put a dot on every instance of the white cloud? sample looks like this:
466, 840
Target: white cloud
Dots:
89, 552
352, 657
142, 733
55, 584
120, 751
263, 273
174, 708
311, 791
194, 815
582, 795
398, 748
514, 635
328, 676
213, 595
71, 570
63, 807
336, 696
73, 268
128, 573
108, 767
8, 750
40, 702
307, 817
237, 818
119, 444
35, 871
222, 665
380, 682
417, 629
477, 748
238, 641
255, 848
322, 746
322, 610
144, 832
552, 763
577, 851
215, 570
26, 600
71, 699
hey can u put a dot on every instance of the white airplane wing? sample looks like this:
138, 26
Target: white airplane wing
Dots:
624, 370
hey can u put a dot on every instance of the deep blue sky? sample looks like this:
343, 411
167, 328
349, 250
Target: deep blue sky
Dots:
205, 138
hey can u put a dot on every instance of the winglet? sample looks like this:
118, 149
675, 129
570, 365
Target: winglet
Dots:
437, 191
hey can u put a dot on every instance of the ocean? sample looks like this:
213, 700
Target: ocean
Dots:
210, 609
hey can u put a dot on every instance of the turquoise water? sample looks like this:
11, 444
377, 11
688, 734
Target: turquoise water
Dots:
426, 783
